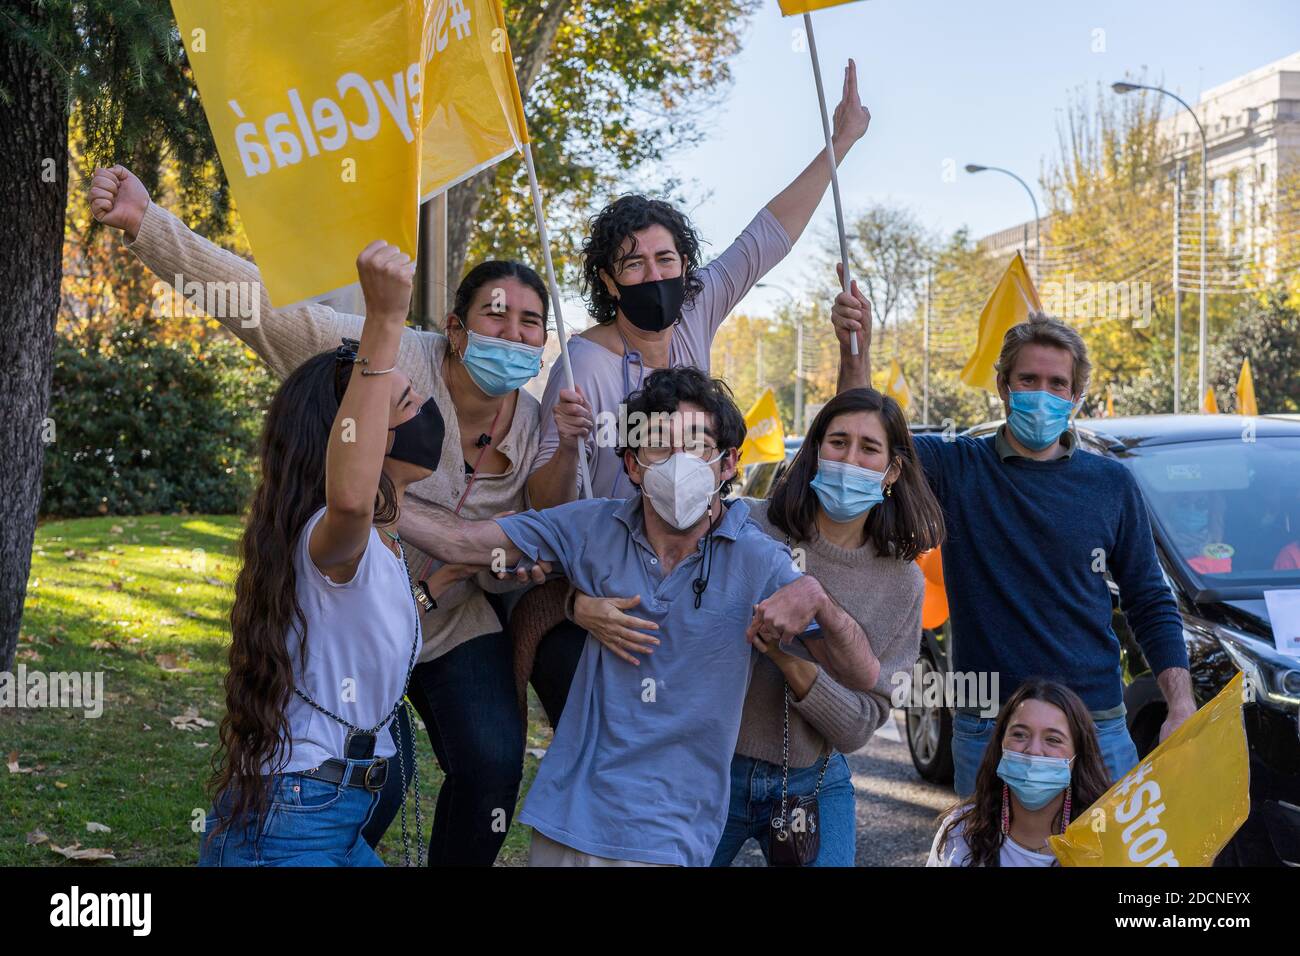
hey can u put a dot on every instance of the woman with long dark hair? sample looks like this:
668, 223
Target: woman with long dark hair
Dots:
325, 627
856, 511
1047, 771
463, 685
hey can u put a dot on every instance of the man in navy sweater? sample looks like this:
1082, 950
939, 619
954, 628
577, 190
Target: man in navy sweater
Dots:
1032, 529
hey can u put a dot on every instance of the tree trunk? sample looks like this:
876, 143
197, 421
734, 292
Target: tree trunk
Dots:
465, 199
33, 195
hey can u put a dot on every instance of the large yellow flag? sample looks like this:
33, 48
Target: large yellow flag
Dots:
1246, 390
1013, 299
790, 7
764, 435
896, 387
1180, 805
326, 138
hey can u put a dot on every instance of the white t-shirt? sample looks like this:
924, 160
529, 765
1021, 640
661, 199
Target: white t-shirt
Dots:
957, 853
359, 638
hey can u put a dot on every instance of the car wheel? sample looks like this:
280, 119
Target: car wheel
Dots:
929, 730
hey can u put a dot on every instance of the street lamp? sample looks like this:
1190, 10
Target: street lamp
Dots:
1123, 87
1038, 245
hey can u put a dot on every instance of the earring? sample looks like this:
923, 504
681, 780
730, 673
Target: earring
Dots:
889, 490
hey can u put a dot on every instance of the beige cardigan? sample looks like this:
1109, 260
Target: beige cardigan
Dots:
285, 338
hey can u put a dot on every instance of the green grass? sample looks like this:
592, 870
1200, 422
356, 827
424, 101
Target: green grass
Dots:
145, 601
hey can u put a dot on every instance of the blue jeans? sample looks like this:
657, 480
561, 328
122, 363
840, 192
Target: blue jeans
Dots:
756, 791
308, 823
971, 735
467, 701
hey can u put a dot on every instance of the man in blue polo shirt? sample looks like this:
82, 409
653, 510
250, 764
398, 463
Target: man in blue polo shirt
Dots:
639, 770
1032, 529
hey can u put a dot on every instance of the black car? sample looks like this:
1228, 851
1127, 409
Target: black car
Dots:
1223, 493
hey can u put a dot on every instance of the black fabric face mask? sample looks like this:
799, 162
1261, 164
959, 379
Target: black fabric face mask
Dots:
652, 306
418, 440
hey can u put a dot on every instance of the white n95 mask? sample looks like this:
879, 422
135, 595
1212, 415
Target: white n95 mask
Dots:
680, 489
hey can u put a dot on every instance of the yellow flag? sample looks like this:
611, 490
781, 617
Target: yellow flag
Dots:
477, 116
1210, 405
896, 387
1012, 300
764, 435
1246, 390
326, 139
1163, 813
790, 7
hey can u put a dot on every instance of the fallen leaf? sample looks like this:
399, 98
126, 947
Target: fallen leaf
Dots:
190, 720
170, 664
116, 529
75, 852
145, 727
538, 752
31, 654
94, 827
36, 837
12, 761
104, 645
115, 585
60, 784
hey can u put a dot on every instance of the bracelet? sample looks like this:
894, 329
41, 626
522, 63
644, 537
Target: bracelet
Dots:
366, 371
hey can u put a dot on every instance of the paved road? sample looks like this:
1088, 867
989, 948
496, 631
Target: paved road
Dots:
897, 810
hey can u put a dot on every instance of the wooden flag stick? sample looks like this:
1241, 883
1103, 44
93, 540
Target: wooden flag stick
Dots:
830, 158
583, 477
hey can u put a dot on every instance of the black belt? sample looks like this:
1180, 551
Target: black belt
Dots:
370, 776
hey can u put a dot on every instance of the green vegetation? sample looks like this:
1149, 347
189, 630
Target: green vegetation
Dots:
144, 600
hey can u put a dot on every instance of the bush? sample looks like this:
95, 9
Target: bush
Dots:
141, 427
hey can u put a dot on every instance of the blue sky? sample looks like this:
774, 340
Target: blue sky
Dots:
947, 79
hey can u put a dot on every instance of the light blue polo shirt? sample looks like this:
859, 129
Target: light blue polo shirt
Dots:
640, 765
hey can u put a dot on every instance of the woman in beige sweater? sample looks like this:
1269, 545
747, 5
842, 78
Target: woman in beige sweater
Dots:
463, 685
856, 512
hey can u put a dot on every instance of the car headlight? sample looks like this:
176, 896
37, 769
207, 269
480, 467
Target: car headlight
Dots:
1275, 676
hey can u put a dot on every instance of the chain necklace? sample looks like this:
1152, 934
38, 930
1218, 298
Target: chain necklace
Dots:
401, 700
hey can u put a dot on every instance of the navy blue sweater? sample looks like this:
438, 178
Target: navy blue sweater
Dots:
1025, 542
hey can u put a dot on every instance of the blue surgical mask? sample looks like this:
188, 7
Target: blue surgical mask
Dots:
847, 491
1035, 780
497, 366
1038, 418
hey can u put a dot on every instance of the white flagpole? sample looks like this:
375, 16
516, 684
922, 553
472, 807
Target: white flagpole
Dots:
830, 158
555, 302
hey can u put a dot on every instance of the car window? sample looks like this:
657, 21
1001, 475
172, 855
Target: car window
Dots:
1228, 511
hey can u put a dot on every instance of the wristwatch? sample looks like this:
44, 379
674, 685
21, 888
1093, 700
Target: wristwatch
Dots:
423, 597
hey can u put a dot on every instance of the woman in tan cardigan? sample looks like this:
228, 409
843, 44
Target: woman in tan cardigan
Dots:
463, 685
